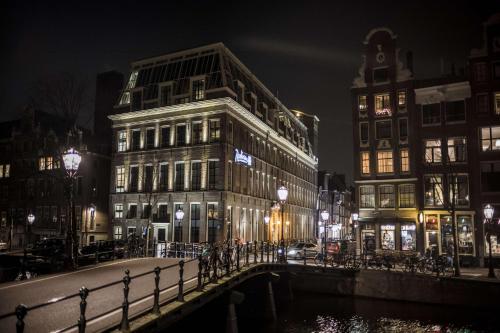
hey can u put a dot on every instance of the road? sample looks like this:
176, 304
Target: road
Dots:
66, 313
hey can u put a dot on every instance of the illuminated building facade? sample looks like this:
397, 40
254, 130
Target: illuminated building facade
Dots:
196, 131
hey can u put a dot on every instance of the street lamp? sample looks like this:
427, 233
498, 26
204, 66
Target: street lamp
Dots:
324, 216
71, 159
179, 216
266, 221
488, 217
282, 196
29, 222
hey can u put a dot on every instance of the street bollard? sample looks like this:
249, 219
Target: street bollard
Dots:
272, 249
82, 322
255, 252
199, 287
261, 251
238, 257
124, 325
21, 312
267, 250
156, 301
180, 296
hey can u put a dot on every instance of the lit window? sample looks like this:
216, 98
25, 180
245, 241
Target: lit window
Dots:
41, 163
118, 232
367, 196
125, 98
386, 196
459, 189
122, 140
4, 170
383, 105
120, 178
490, 138
497, 103
405, 160
48, 163
433, 190
365, 163
214, 130
118, 211
457, 149
384, 162
433, 151
406, 195
362, 103
133, 79
401, 99
198, 90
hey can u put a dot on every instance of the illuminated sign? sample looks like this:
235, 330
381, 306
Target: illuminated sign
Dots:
241, 157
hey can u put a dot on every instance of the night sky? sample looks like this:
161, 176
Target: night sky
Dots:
308, 52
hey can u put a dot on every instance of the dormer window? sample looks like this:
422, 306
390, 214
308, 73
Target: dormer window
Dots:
133, 79
362, 103
198, 90
125, 98
383, 105
402, 100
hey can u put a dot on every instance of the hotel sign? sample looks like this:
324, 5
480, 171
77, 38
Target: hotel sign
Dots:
241, 157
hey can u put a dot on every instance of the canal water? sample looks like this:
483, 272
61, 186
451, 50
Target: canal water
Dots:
310, 313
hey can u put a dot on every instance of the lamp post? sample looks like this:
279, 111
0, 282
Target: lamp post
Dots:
266, 221
324, 217
71, 159
488, 218
29, 222
282, 196
179, 216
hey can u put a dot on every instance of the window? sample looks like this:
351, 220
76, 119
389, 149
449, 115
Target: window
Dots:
165, 136
459, 189
213, 172
132, 80
367, 196
433, 151
163, 213
150, 138
163, 177
132, 211
212, 222
166, 95
490, 177
408, 237
198, 90
195, 175
383, 129
380, 75
387, 237
179, 176
230, 176
117, 232
403, 129
49, 164
134, 178
497, 103
480, 71
362, 103
490, 138
383, 105
148, 178
404, 160
120, 179
131, 231
181, 135
230, 132
4, 171
196, 132
465, 232
457, 149
122, 141
384, 162
214, 130
136, 139
406, 196
433, 190
41, 163
195, 223
386, 196
482, 103
365, 162
146, 211
431, 114
118, 211
125, 98
136, 100
177, 225
402, 100
455, 111
363, 133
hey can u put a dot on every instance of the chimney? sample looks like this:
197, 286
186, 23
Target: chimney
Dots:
409, 61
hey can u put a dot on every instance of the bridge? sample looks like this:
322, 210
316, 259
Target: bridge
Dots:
153, 293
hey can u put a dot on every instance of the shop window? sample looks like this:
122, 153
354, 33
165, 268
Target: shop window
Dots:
408, 237
446, 235
386, 196
455, 111
457, 150
383, 129
365, 162
383, 105
433, 151
433, 190
406, 195
482, 103
404, 160
490, 138
363, 103
385, 162
495, 245
465, 235
431, 234
387, 237
367, 196
490, 177
364, 133
459, 189
431, 114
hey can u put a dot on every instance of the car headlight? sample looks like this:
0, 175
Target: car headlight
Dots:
292, 252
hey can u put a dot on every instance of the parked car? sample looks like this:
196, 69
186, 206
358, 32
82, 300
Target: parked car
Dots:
49, 247
296, 251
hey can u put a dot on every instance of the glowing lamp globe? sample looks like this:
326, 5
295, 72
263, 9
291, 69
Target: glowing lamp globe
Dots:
488, 211
325, 215
179, 214
71, 159
282, 193
31, 218
266, 219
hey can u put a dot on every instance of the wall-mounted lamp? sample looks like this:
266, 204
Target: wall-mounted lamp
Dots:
421, 217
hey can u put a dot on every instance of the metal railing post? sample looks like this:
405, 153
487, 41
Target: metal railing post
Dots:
200, 268
82, 322
261, 251
180, 296
124, 325
272, 249
255, 252
238, 257
21, 312
156, 304
247, 253
267, 250
305, 256
228, 259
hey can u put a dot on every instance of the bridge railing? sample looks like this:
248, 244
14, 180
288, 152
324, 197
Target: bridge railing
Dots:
214, 262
